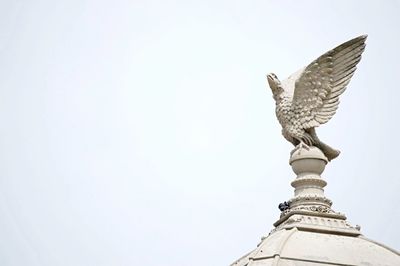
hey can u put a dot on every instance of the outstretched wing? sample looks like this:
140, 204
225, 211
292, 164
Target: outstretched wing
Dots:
317, 90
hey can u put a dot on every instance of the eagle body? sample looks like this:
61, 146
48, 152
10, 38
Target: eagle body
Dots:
310, 97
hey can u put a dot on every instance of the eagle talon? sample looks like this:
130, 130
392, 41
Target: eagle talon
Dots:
299, 147
302, 145
308, 139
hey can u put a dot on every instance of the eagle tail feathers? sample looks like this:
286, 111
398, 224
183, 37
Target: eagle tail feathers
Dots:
328, 151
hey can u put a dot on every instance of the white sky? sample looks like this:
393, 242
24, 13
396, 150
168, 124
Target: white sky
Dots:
143, 132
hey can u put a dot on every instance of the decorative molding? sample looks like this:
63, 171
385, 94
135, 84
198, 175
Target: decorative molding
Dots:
310, 198
309, 181
318, 224
312, 208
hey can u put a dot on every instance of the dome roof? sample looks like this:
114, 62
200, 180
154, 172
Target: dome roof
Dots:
294, 247
309, 232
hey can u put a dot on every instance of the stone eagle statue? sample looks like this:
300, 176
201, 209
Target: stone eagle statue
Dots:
310, 97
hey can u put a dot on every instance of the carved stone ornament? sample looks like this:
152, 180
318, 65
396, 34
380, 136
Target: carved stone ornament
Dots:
318, 224
313, 208
309, 231
310, 96
309, 209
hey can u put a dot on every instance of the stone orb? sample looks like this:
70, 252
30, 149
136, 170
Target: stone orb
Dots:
308, 161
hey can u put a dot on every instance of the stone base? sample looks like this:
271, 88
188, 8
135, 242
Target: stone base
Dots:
322, 223
309, 209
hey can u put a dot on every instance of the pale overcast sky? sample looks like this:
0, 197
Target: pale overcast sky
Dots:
143, 132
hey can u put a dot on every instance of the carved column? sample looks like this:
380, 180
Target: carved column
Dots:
309, 209
308, 165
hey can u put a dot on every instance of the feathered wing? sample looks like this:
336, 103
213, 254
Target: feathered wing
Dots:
317, 90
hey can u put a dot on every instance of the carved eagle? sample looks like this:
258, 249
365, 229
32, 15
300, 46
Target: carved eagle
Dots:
310, 97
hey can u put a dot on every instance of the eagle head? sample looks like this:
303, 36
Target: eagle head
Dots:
274, 84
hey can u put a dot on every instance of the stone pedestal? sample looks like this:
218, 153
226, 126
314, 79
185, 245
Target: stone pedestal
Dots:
309, 209
308, 165
309, 232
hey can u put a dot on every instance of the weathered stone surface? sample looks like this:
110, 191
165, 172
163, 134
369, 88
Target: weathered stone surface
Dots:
310, 97
310, 232
294, 247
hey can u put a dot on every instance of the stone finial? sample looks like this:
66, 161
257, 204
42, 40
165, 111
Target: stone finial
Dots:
308, 164
309, 209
